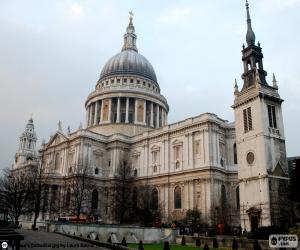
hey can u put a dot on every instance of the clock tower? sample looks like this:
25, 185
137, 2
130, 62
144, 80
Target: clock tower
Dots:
262, 163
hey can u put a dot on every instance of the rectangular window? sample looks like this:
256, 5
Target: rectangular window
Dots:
247, 115
272, 116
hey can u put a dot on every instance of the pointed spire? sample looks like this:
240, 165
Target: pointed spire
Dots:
130, 36
274, 81
250, 36
69, 130
59, 126
236, 87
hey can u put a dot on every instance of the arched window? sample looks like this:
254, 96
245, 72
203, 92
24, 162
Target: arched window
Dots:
56, 161
96, 170
134, 198
154, 169
154, 199
135, 172
68, 198
94, 199
237, 197
234, 154
223, 195
177, 197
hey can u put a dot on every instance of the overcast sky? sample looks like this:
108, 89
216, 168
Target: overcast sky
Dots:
52, 53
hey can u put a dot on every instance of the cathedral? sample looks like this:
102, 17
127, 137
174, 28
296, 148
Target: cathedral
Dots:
232, 172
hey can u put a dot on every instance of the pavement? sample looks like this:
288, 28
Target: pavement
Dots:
38, 240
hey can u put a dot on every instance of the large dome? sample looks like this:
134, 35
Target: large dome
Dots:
128, 61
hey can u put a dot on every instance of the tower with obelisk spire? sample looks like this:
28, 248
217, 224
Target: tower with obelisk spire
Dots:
262, 162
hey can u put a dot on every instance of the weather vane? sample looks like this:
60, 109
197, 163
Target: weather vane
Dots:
130, 16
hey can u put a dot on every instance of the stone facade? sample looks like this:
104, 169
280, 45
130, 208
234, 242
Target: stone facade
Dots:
231, 172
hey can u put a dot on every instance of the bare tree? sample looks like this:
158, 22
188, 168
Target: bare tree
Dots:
16, 193
123, 187
41, 177
80, 186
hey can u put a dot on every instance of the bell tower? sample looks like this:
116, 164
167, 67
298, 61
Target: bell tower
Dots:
27, 154
262, 163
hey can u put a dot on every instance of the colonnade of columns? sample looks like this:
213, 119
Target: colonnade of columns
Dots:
126, 110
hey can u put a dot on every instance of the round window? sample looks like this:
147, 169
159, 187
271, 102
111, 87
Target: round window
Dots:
250, 158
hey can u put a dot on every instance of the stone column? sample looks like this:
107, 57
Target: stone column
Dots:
87, 116
144, 118
90, 118
135, 110
118, 110
96, 113
101, 112
151, 115
157, 116
127, 110
191, 151
109, 110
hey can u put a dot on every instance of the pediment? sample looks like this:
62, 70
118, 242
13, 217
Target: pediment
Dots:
177, 143
98, 152
58, 138
135, 153
155, 148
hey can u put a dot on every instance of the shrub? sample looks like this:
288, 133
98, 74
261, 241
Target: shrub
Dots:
166, 245
215, 243
141, 247
256, 245
123, 242
206, 247
235, 245
183, 241
198, 242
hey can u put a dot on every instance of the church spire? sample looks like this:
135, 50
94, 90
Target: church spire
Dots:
250, 36
252, 58
130, 36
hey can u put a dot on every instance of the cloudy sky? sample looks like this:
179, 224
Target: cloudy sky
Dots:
52, 52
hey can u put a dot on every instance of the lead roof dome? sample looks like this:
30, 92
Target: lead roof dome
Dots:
129, 61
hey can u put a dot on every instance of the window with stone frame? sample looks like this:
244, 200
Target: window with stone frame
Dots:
234, 154
272, 116
247, 117
197, 152
155, 155
57, 161
177, 197
135, 158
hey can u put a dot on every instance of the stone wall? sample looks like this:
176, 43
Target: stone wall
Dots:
132, 234
224, 241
